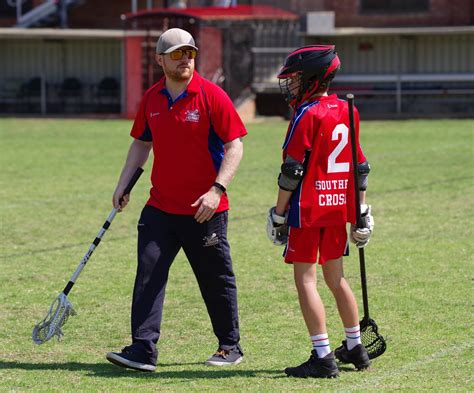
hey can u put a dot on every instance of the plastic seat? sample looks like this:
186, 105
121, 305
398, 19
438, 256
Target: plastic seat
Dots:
108, 95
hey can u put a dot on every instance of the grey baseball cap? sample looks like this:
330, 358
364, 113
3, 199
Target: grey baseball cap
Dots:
173, 39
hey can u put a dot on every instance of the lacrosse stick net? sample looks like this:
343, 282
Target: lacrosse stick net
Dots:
371, 339
59, 312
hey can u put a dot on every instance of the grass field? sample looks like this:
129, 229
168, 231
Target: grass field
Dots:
56, 183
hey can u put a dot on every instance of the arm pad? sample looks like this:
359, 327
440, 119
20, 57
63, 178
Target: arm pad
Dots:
292, 172
363, 169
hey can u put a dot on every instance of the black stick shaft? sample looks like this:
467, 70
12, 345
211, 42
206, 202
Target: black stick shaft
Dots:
132, 182
101, 233
363, 279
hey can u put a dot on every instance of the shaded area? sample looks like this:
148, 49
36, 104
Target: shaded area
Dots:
110, 371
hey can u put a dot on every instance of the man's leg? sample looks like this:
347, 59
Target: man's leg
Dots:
208, 252
157, 248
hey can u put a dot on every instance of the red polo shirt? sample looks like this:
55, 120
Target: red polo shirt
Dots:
188, 137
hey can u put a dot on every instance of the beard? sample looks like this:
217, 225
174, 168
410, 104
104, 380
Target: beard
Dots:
180, 74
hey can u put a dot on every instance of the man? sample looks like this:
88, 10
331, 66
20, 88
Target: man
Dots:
316, 183
195, 134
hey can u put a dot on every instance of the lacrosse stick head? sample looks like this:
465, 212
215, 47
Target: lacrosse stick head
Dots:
371, 339
51, 325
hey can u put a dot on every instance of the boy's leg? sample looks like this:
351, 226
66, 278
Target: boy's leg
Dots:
352, 350
346, 303
310, 302
321, 363
303, 246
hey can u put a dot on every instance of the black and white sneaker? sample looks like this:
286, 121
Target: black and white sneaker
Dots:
358, 355
315, 367
129, 358
226, 357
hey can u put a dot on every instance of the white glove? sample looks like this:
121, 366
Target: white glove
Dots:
277, 230
361, 236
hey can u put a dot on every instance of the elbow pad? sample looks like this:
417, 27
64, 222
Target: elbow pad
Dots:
363, 169
292, 172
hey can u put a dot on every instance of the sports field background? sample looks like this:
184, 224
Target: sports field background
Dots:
57, 178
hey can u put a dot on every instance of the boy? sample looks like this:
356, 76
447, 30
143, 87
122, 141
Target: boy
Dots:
316, 200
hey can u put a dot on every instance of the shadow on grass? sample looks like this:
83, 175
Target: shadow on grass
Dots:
110, 371
343, 368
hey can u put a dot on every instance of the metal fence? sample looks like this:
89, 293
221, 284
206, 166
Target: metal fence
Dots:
41, 74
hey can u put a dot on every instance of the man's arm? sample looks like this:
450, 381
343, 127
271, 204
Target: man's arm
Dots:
137, 156
234, 151
209, 202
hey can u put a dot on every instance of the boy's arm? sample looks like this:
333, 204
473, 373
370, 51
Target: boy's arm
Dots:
282, 201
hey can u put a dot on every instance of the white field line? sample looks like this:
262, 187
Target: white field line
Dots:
411, 366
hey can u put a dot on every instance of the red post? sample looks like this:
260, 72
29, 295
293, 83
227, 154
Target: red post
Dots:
133, 75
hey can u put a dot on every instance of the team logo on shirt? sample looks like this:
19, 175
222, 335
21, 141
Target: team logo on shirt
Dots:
331, 192
153, 114
192, 115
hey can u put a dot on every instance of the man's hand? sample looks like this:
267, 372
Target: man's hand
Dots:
118, 194
361, 236
277, 230
208, 203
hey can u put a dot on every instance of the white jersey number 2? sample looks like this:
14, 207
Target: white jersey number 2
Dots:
333, 166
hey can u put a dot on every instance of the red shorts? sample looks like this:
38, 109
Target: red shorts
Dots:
304, 243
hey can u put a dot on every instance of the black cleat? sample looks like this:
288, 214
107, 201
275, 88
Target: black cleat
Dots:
315, 367
358, 355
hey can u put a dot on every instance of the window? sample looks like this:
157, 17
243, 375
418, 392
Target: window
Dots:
389, 6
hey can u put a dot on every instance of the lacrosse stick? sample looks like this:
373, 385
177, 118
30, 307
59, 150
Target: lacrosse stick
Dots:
61, 309
372, 340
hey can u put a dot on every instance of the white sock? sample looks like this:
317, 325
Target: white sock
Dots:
352, 336
321, 344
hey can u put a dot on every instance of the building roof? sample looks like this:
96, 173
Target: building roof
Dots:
380, 31
22, 33
240, 12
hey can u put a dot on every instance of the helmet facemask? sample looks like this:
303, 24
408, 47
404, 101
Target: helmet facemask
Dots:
291, 87
296, 89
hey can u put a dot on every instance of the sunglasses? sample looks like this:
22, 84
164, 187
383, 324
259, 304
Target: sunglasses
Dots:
179, 53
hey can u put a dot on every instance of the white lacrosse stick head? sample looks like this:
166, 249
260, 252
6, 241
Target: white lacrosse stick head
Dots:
50, 326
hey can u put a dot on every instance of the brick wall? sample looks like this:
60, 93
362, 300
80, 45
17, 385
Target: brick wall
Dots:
441, 13
99, 14
106, 14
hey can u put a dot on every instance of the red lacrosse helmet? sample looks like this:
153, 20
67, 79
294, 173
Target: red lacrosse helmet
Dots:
310, 66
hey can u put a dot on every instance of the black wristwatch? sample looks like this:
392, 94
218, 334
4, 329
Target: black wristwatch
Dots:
220, 187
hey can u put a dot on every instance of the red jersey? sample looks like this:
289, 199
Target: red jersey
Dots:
319, 137
188, 136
